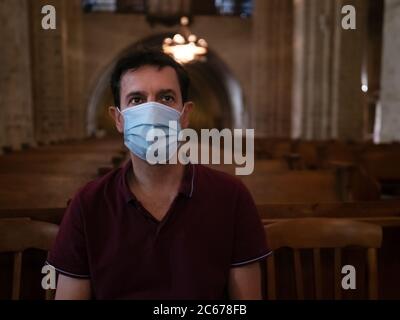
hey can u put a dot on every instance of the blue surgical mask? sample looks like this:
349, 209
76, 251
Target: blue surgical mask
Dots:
141, 119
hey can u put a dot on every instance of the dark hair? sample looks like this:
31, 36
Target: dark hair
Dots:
141, 58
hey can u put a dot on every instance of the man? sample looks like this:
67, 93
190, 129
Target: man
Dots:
164, 231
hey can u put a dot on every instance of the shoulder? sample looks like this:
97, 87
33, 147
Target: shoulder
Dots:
100, 189
217, 180
226, 194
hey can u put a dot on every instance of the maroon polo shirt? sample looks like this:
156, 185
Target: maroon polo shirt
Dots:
108, 236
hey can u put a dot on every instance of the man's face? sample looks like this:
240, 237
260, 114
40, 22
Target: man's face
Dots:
149, 83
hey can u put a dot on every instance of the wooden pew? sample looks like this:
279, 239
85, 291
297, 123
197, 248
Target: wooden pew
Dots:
381, 212
376, 165
261, 167
272, 181
85, 164
318, 235
292, 186
50, 215
46, 177
96, 151
383, 165
49, 176
38, 190
269, 148
32, 260
311, 186
384, 213
338, 151
17, 235
310, 154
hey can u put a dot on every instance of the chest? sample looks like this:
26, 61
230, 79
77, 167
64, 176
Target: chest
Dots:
142, 258
157, 206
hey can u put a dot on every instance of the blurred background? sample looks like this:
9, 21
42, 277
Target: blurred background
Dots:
324, 102
286, 68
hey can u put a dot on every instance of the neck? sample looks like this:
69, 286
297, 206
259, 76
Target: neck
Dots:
161, 178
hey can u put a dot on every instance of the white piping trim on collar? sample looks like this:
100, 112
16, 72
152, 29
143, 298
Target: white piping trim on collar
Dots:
194, 170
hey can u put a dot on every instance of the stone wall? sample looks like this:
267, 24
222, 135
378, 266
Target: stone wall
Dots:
300, 72
272, 68
16, 114
230, 38
327, 99
51, 119
56, 62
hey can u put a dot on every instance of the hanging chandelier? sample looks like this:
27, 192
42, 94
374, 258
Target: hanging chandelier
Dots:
184, 47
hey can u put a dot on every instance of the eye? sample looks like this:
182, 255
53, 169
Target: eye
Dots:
168, 98
136, 100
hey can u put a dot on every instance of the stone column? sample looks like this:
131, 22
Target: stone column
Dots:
348, 98
74, 69
327, 97
272, 68
312, 69
390, 82
15, 76
48, 61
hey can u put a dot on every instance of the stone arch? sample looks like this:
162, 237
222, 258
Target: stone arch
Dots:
216, 91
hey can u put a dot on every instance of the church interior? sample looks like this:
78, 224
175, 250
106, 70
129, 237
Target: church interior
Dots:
317, 80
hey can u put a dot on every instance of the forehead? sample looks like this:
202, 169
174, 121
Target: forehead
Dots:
149, 78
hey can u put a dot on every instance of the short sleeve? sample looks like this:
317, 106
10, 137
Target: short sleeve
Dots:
69, 253
249, 237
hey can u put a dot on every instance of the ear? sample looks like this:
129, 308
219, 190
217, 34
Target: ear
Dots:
186, 114
117, 117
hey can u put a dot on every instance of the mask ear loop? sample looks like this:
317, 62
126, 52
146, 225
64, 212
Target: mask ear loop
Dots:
183, 110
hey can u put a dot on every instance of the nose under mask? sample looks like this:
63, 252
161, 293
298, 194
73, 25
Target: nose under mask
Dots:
140, 123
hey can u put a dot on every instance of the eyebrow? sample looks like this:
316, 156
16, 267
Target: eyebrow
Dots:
166, 91
143, 93
135, 93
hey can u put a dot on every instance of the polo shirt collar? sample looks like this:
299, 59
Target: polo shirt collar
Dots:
186, 188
